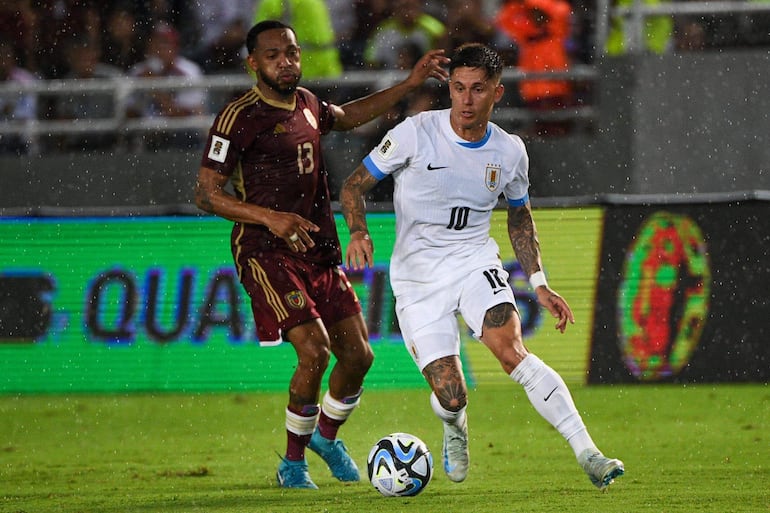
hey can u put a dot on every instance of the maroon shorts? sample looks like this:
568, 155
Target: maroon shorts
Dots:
286, 292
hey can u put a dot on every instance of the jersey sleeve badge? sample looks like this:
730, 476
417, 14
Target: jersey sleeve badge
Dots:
310, 118
387, 147
218, 148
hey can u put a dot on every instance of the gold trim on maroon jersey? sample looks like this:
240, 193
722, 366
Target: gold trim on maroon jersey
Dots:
290, 106
271, 296
238, 249
238, 184
226, 120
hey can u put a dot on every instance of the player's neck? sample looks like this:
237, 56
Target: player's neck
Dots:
473, 133
271, 94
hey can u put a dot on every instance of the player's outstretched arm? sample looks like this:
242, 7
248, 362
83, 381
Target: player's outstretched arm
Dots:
362, 110
360, 250
523, 235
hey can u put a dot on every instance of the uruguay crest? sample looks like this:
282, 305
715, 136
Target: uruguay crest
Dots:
492, 176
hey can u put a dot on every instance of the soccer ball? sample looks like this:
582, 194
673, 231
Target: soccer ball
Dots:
399, 465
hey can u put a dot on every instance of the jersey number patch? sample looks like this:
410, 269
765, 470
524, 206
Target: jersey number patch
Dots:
305, 159
459, 218
494, 279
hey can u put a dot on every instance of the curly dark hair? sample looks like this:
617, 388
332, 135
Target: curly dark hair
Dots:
256, 30
477, 55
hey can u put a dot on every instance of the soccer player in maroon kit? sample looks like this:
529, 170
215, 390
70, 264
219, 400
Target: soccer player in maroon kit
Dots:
284, 240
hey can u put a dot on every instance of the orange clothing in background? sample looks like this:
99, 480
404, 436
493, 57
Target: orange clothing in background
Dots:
540, 29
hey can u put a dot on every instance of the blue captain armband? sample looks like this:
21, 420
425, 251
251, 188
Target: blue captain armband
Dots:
518, 202
372, 168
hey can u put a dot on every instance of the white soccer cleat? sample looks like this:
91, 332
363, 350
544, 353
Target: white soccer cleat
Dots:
601, 470
455, 450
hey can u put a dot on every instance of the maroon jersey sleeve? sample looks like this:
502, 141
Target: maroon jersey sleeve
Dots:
227, 139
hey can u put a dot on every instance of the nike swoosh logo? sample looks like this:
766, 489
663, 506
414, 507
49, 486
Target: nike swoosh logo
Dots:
431, 168
550, 394
494, 292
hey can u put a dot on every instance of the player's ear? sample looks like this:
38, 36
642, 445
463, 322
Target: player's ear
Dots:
251, 63
499, 90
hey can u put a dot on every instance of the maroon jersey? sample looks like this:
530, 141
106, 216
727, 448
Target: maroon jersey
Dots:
272, 153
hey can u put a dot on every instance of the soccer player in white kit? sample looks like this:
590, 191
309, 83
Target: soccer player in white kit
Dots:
450, 168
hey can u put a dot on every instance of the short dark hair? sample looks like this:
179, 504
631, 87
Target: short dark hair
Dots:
256, 30
477, 55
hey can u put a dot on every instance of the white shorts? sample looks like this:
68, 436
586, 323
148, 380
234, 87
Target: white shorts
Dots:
427, 313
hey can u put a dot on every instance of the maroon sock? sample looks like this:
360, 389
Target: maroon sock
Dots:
328, 426
295, 446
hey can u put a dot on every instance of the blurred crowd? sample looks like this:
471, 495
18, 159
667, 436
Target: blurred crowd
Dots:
110, 39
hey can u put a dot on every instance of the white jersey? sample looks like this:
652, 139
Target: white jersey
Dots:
445, 191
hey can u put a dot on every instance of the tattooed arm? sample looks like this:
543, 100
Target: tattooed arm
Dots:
521, 231
523, 235
360, 250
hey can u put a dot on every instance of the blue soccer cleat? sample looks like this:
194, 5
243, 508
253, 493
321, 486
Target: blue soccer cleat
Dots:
293, 474
335, 454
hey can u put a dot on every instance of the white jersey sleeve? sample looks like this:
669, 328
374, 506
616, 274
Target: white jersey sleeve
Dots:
394, 152
517, 190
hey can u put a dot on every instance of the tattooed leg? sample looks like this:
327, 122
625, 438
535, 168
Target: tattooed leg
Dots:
446, 379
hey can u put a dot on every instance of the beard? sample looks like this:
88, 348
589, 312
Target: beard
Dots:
283, 89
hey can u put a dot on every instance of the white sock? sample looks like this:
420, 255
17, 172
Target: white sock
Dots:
299, 424
450, 417
549, 395
339, 410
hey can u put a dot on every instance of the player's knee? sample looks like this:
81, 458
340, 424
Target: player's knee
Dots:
364, 362
366, 359
358, 358
314, 357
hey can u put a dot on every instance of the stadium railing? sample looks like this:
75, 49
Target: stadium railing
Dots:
638, 11
121, 89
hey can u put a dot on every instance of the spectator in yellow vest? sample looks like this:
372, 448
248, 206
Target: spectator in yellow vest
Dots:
657, 33
315, 34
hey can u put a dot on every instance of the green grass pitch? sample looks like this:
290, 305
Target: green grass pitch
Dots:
703, 448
